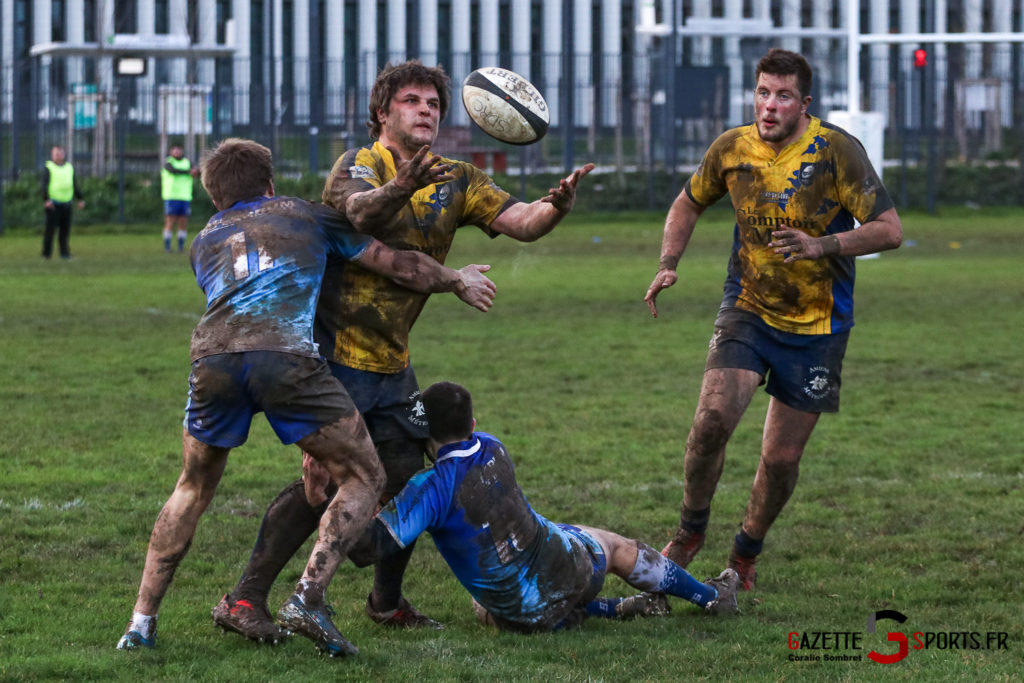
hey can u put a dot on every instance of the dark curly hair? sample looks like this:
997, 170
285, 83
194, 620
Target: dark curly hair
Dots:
779, 62
394, 77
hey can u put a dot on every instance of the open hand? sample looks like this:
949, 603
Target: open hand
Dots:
422, 170
564, 196
476, 289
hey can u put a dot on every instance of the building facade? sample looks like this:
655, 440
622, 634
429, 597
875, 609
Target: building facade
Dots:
644, 73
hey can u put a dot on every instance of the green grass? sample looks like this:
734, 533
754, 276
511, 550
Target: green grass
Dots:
909, 499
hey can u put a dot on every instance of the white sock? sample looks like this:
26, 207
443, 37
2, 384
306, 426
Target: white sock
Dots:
144, 624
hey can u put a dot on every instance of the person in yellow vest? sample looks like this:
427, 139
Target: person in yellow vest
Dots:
60, 189
176, 191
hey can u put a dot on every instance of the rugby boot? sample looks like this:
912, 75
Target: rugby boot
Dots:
727, 583
403, 616
683, 547
133, 640
643, 605
316, 625
248, 620
744, 566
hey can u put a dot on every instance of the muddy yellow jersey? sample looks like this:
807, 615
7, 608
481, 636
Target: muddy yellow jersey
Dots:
363, 319
818, 184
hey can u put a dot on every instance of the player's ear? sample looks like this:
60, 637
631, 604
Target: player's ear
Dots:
270, 188
473, 427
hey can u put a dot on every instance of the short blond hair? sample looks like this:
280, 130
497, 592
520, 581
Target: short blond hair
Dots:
236, 169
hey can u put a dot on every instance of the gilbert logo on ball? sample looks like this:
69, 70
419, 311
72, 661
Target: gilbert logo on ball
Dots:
505, 105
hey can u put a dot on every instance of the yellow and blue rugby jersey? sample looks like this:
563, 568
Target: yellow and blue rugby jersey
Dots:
363, 319
818, 184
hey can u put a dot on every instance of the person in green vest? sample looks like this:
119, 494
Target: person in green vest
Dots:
176, 190
60, 189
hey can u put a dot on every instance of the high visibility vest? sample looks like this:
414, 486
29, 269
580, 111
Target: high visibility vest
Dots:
62, 182
176, 185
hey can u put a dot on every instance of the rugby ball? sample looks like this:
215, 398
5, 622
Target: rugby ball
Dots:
505, 105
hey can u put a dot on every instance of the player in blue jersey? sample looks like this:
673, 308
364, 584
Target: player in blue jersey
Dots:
797, 186
260, 261
525, 573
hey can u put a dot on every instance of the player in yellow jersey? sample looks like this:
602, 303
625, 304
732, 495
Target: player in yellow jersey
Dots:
797, 185
398, 190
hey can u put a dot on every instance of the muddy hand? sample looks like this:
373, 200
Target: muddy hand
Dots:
663, 280
564, 196
422, 170
475, 288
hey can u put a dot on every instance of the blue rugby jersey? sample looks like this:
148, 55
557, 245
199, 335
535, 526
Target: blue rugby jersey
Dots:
516, 564
261, 263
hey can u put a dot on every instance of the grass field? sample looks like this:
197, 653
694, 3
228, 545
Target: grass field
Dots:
910, 499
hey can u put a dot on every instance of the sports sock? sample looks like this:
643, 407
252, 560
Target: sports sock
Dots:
143, 624
658, 574
288, 522
311, 594
167, 240
603, 608
747, 546
695, 521
181, 240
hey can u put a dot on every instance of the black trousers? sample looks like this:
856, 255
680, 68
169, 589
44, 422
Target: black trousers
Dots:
58, 218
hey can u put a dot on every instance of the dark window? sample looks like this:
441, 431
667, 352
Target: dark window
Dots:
125, 17
58, 19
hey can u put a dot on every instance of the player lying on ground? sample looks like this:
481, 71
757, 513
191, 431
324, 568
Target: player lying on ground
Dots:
260, 261
525, 573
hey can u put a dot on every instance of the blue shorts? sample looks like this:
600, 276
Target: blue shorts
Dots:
298, 395
177, 207
597, 558
389, 403
803, 370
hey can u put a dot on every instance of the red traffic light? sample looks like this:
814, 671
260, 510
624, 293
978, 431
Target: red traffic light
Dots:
920, 58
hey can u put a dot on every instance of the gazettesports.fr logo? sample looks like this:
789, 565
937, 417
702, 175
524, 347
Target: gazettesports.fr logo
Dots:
818, 646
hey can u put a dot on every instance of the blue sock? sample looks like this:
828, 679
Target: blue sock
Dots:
658, 574
603, 608
167, 242
181, 241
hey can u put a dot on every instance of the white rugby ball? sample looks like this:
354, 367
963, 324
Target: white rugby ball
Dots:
505, 105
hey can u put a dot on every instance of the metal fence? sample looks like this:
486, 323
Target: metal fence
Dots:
629, 113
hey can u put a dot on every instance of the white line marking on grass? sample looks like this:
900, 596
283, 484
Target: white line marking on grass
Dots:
36, 504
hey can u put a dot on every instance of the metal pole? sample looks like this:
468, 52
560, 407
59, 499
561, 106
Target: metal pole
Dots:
853, 56
670, 104
568, 77
120, 123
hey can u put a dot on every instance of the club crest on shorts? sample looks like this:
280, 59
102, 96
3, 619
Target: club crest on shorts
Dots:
417, 413
818, 383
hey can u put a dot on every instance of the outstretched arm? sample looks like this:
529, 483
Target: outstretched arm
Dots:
371, 208
529, 222
421, 273
679, 224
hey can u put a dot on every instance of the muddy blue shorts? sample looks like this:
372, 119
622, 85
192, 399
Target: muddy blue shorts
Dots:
298, 395
801, 370
597, 557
